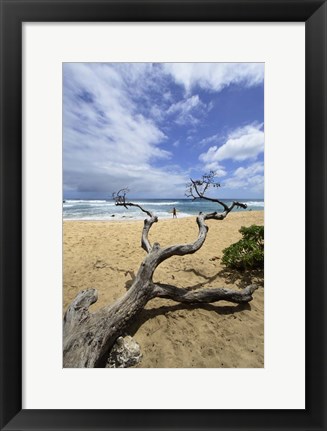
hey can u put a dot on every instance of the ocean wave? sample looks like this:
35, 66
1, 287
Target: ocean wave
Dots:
100, 201
119, 217
112, 203
84, 201
91, 204
255, 204
155, 203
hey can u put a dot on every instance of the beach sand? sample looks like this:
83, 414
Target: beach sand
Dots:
107, 255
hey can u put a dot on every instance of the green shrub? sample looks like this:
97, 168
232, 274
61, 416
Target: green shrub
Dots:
248, 252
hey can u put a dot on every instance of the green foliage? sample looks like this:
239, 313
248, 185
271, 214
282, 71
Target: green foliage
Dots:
248, 252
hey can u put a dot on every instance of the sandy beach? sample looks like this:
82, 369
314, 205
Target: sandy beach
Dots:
106, 256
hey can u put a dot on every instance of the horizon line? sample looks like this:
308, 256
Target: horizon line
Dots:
187, 199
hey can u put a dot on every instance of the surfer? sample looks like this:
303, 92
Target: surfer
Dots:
174, 213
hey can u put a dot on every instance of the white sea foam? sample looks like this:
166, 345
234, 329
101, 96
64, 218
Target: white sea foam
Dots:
83, 201
255, 204
112, 203
156, 203
121, 216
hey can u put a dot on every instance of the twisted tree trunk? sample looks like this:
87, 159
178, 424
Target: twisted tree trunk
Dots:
88, 338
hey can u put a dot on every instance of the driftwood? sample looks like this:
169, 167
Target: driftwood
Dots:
89, 337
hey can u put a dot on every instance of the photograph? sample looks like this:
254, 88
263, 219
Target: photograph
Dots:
163, 190
163, 215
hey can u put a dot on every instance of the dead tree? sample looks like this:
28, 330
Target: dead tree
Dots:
89, 337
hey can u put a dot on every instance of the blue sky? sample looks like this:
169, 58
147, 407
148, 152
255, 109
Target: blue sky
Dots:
152, 126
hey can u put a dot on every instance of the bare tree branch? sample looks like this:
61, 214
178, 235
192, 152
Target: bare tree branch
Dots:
202, 196
120, 200
203, 296
196, 189
221, 216
183, 249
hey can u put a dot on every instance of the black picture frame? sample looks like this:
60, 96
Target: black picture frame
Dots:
13, 14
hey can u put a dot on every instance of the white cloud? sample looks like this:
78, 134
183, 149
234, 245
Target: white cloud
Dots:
256, 168
108, 143
142, 180
215, 76
210, 140
185, 110
242, 144
216, 167
250, 178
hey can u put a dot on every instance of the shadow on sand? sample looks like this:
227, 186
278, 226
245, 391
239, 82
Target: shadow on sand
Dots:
148, 314
226, 276
240, 279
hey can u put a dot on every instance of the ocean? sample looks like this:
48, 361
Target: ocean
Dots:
107, 210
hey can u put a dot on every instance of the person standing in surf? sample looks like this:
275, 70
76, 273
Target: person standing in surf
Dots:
174, 213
